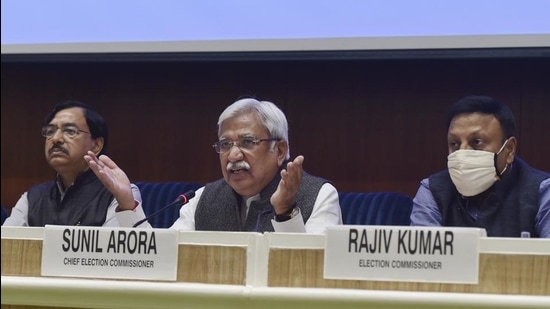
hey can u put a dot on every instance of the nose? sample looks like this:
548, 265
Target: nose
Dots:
57, 136
235, 154
465, 145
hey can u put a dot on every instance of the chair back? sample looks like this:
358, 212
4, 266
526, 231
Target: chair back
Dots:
4, 214
156, 195
375, 208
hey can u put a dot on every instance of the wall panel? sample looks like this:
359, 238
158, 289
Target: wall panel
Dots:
367, 125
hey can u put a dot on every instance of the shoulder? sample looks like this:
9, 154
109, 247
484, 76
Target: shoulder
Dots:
215, 184
328, 189
216, 188
41, 187
440, 174
306, 177
527, 169
441, 177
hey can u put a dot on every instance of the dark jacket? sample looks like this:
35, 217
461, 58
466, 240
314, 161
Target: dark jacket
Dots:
509, 209
219, 207
85, 203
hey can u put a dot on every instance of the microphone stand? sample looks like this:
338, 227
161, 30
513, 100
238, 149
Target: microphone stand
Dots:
179, 201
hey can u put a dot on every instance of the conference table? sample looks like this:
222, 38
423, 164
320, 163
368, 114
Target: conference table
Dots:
272, 270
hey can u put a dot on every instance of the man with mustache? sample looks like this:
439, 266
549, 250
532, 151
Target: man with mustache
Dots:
89, 189
261, 189
485, 184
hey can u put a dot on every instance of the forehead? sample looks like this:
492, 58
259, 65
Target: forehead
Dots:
246, 123
70, 115
468, 124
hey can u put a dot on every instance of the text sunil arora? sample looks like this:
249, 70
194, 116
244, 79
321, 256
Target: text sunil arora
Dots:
120, 241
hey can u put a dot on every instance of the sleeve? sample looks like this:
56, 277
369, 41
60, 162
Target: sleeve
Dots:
186, 219
542, 219
326, 212
19, 213
126, 218
425, 211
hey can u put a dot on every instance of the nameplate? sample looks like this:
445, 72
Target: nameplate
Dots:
116, 253
402, 253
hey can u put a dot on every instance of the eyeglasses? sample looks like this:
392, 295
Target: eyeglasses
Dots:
247, 143
68, 131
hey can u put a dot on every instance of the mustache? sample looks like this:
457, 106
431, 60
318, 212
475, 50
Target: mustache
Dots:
58, 148
237, 165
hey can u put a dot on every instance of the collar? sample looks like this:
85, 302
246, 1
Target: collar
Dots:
82, 179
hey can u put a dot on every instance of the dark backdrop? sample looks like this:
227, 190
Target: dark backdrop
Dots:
365, 124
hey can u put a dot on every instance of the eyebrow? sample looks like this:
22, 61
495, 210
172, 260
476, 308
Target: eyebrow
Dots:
469, 134
68, 124
238, 136
246, 135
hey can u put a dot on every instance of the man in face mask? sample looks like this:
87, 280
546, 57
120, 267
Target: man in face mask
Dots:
485, 185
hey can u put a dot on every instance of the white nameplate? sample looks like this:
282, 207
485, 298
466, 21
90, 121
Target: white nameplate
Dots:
402, 253
102, 252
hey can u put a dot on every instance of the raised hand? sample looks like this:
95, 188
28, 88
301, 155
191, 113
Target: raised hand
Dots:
113, 178
284, 198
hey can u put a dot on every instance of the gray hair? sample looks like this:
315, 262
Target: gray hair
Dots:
271, 116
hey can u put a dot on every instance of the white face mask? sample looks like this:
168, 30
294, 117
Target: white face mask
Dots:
474, 171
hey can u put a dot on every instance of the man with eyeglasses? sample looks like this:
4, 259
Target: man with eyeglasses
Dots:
89, 189
485, 184
262, 190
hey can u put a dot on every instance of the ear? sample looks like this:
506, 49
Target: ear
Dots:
281, 148
510, 149
98, 145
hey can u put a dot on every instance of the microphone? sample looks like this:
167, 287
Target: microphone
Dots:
181, 200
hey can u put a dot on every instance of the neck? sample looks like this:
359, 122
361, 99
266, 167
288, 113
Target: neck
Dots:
68, 178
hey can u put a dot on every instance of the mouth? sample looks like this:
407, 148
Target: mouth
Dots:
238, 170
56, 151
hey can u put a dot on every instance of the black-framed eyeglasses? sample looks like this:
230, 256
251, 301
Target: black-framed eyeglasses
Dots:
68, 131
247, 143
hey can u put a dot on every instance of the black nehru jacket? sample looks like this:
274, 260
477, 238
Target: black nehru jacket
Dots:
219, 205
85, 203
509, 209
